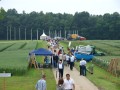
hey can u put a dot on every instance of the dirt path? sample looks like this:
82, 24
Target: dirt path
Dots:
81, 82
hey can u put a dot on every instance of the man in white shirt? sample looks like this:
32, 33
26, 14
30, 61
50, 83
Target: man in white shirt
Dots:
69, 83
83, 67
41, 84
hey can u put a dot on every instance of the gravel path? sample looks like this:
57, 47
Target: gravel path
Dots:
81, 82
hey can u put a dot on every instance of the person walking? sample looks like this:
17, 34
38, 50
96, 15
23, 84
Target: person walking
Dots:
69, 83
72, 59
83, 67
68, 59
41, 84
60, 85
60, 68
55, 59
64, 59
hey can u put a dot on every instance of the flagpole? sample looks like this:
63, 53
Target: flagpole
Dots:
31, 33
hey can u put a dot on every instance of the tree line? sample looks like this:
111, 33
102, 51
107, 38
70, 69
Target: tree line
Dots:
14, 25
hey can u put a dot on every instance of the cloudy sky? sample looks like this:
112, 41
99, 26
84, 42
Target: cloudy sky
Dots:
95, 7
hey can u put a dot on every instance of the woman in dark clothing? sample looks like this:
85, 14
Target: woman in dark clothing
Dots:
60, 84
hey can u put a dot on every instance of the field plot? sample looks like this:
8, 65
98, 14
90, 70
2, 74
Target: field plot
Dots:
14, 59
106, 58
30, 45
14, 62
16, 46
110, 47
4, 46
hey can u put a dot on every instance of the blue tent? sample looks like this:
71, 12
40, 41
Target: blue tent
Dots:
42, 52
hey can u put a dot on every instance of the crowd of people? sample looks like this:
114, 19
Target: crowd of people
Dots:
59, 60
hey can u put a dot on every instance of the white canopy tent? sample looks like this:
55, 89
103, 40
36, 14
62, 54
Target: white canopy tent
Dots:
43, 36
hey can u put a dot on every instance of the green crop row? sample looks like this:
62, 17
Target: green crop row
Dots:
106, 46
108, 49
16, 46
4, 46
14, 62
30, 45
104, 62
14, 59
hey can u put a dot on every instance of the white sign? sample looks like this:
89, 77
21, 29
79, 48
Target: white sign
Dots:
5, 74
69, 44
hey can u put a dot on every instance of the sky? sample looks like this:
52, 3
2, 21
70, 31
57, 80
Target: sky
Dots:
94, 7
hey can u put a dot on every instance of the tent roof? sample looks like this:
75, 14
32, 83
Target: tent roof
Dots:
42, 52
43, 34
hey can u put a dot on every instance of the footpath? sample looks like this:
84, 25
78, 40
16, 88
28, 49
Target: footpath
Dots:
81, 82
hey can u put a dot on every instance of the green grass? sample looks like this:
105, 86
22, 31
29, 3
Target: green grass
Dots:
28, 81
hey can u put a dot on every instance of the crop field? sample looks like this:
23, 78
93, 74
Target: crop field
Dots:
5, 46
106, 58
16, 46
30, 45
103, 79
14, 58
110, 47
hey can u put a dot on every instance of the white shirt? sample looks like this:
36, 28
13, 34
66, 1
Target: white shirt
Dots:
60, 66
67, 58
72, 59
82, 62
68, 84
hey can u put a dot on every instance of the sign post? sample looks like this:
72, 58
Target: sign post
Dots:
4, 75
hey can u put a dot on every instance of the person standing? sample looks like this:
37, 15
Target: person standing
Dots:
72, 59
69, 83
41, 84
60, 68
83, 67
